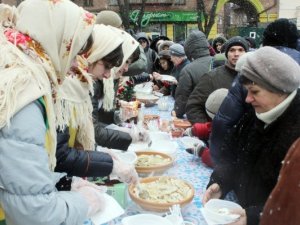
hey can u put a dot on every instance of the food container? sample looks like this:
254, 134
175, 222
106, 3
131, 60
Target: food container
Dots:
152, 162
217, 211
161, 186
180, 123
148, 100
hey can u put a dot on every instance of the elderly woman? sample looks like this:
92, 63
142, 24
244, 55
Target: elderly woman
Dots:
34, 62
252, 153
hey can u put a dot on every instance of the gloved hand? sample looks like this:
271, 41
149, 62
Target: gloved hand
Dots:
124, 171
156, 76
188, 132
139, 133
92, 193
197, 149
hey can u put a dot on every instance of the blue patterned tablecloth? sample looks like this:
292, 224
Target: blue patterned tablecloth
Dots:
186, 167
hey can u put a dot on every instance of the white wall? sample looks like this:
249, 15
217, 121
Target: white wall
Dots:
290, 9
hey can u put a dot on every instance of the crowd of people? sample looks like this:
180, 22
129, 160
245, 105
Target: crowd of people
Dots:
58, 94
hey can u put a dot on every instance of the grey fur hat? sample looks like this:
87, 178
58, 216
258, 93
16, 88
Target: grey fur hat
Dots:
272, 70
177, 50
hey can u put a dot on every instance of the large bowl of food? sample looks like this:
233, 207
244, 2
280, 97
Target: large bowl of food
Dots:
152, 162
160, 193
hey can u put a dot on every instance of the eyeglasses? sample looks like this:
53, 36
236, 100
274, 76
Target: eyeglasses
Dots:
106, 65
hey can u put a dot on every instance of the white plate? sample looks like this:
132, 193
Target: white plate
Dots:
190, 142
168, 78
145, 219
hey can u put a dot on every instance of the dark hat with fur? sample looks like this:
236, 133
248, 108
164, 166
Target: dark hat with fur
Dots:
281, 32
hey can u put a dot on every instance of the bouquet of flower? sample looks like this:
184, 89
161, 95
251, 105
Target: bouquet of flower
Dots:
126, 92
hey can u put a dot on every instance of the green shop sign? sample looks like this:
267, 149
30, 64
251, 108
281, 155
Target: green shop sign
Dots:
168, 16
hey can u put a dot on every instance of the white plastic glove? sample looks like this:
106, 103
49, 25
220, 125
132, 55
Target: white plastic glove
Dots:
197, 149
188, 132
92, 193
139, 133
124, 171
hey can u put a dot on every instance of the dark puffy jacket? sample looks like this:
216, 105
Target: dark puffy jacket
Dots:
196, 49
81, 163
290, 51
252, 155
221, 77
107, 137
231, 110
176, 72
141, 78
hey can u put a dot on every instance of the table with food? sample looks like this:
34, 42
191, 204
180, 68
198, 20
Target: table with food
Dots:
172, 181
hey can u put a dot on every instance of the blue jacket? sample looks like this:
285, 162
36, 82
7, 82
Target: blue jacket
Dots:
27, 186
231, 110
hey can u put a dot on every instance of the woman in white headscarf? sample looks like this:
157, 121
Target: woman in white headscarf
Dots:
105, 53
38, 42
103, 100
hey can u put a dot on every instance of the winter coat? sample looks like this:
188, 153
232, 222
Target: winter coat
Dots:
231, 110
196, 49
221, 77
291, 52
251, 158
27, 186
141, 78
107, 137
282, 206
176, 72
81, 163
151, 55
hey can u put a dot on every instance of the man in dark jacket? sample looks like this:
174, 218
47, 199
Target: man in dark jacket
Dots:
281, 34
196, 49
179, 60
221, 77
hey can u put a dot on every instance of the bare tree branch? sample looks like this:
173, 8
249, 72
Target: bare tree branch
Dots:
209, 18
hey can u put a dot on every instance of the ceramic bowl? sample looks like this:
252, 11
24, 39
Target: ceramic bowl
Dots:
218, 211
158, 206
155, 169
148, 100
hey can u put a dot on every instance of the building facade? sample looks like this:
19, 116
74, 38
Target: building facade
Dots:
177, 18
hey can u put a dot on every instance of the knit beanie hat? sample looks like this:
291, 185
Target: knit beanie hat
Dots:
272, 70
108, 17
177, 50
214, 101
236, 41
281, 32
